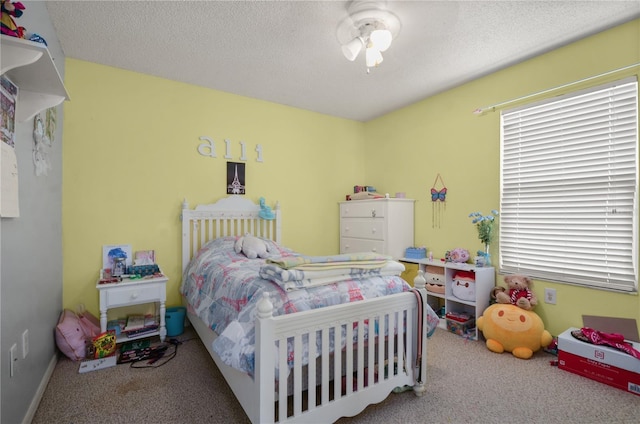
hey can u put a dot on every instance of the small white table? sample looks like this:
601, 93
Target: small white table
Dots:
134, 292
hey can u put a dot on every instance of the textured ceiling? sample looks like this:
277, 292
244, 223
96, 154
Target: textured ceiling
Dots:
287, 51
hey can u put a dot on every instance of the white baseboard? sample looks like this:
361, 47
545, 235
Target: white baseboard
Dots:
31, 412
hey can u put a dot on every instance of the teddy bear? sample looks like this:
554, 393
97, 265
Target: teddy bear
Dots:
252, 247
519, 292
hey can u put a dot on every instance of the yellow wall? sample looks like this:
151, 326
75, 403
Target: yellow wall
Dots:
442, 135
130, 157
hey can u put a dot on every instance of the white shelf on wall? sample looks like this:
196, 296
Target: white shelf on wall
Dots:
29, 65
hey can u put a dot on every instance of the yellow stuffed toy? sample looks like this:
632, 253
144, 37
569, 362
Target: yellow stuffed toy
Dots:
508, 328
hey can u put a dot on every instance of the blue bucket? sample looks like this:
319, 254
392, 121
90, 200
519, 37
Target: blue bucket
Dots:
174, 320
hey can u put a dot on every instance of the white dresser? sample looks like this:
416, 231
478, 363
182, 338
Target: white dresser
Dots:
383, 226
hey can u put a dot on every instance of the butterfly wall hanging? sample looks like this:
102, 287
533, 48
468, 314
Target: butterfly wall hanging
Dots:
438, 202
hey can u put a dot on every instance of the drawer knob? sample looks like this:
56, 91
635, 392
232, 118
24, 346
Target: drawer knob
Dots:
373, 213
134, 295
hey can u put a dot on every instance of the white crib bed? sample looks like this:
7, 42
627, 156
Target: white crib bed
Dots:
337, 384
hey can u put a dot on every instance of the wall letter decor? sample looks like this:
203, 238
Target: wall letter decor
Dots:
209, 149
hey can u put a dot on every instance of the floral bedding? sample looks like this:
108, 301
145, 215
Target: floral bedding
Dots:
223, 288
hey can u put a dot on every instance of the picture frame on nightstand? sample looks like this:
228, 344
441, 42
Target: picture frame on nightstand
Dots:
112, 251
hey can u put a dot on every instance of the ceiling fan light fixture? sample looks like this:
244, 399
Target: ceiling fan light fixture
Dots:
373, 56
381, 39
369, 24
352, 49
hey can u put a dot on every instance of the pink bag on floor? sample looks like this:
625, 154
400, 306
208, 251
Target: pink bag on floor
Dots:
89, 323
74, 331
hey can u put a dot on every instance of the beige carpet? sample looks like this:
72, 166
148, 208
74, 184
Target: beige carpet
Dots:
467, 384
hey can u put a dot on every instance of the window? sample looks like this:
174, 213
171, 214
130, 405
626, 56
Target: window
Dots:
569, 188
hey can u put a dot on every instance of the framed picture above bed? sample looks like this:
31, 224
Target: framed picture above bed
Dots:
235, 178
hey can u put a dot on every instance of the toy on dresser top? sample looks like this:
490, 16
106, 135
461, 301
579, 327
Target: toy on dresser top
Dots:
415, 252
458, 255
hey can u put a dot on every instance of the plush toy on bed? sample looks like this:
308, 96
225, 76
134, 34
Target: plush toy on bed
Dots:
252, 247
519, 294
508, 328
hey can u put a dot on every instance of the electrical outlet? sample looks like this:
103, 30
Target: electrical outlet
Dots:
25, 343
550, 296
13, 357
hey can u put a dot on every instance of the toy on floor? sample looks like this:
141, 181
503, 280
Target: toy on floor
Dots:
519, 292
9, 11
509, 328
252, 247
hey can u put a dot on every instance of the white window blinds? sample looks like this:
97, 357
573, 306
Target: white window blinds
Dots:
569, 188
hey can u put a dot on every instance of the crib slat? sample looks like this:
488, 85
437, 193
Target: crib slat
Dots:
399, 323
381, 338
297, 375
392, 344
360, 372
349, 363
371, 351
337, 361
282, 379
325, 366
312, 371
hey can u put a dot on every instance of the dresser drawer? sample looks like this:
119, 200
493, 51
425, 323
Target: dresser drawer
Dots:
134, 295
352, 245
359, 209
362, 228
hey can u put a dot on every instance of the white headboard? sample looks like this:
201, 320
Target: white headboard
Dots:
229, 216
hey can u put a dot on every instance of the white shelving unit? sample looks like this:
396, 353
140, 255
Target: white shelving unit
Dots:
29, 65
485, 278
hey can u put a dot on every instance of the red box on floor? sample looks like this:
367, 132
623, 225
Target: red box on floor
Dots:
600, 363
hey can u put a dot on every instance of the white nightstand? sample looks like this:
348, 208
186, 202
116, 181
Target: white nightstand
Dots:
134, 292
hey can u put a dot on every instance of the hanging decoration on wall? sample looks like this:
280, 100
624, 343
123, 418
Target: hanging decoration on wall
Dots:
41, 161
44, 129
50, 126
438, 202
235, 178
